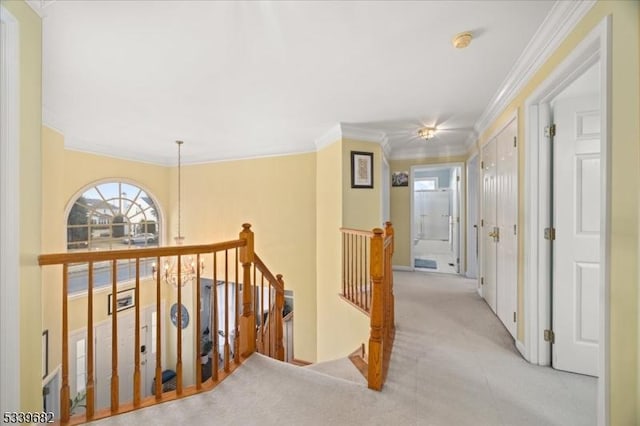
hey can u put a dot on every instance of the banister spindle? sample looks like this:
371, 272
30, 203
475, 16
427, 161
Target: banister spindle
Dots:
214, 331
64, 389
197, 328
136, 349
90, 388
236, 317
227, 349
179, 330
115, 383
158, 347
279, 319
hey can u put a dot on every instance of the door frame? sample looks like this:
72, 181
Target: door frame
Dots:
462, 246
474, 158
594, 48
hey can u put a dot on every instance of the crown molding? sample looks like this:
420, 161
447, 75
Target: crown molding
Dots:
561, 20
39, 6
332, 135
349, 131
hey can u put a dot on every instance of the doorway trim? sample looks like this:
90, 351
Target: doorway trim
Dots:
462, 247
10, 214
474, 158
593, 49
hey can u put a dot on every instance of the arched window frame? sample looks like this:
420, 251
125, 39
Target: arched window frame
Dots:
124, 204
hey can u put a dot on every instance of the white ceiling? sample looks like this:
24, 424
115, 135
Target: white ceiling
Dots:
245, 79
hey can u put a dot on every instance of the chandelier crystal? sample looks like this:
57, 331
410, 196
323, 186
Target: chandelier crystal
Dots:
188, 272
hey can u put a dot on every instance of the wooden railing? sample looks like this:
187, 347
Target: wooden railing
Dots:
367, 283
356, 273
232, 260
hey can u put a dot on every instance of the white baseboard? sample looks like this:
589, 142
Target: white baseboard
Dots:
522, 349
402, 268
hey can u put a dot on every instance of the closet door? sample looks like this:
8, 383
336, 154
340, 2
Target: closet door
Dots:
507, 219
489, 224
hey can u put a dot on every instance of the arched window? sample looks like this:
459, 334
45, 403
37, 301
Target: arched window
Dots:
111, 216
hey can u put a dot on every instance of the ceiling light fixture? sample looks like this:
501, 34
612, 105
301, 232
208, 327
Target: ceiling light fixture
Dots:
427, 133
188, 266
462, 40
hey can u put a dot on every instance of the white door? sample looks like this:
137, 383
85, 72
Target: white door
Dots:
576, 249
472, 218
489, 224
507, 219
126, 340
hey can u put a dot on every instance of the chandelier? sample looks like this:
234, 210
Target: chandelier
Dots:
187, 271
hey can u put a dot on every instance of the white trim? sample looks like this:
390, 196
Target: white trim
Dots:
562, 18
402, 268
467, 197
349, 131
521, 348
594, 48
332, 135
10, 214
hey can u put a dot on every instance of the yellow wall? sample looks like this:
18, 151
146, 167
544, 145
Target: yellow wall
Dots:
30, 101
401, 206
276, 196
361, 208
625, 166
333, 189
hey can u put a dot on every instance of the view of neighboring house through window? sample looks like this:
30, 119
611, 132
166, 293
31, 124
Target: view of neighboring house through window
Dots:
111, 216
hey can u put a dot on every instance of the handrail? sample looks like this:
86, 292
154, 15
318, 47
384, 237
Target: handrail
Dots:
235, 266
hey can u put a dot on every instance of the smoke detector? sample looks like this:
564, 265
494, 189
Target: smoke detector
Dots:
462, 40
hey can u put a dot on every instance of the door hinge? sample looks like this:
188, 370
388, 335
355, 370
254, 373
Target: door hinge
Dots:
458, 178
482, 164
482, 281
458, 260
481, 222
550, 131
515, 229
549, 336
550, 234
515, 141
458, 219
515, 316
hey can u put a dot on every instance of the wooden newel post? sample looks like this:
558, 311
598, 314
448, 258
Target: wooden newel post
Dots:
248, 320
375, 338
279, 319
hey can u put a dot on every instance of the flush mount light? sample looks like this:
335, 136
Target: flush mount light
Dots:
427, 132
462, 40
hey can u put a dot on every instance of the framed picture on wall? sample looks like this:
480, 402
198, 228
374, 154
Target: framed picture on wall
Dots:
400, 179
125, 299
361, 169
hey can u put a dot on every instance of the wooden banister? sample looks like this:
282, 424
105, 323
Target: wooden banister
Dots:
240, 327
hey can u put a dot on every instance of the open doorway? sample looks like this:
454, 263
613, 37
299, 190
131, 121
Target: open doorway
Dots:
436, 206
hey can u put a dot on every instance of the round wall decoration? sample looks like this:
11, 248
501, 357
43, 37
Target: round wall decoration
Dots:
184, 315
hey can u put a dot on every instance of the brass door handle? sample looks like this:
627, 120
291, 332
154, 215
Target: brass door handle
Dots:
492, 234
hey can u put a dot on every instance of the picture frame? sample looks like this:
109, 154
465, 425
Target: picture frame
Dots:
361, 169
400, 179
45, 354
126, 299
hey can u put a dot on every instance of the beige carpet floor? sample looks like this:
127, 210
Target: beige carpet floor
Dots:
453, 363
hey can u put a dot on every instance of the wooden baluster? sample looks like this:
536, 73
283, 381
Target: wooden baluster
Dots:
197, 328
136, 356
360, 273
262, 319
236, 319
375, 339
64, 389
115, 383
392, 316
158, 347
248, 322
214, 331
179, 331
270, 320
90, 389
279, 320
367, 281
352, 261
227, 349
344, 264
